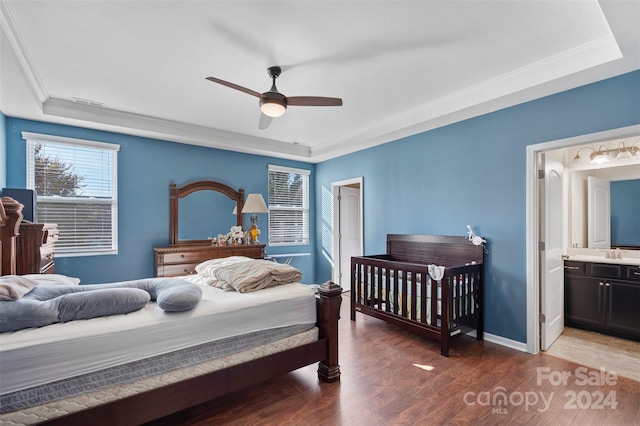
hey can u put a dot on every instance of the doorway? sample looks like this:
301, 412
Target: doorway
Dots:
536, 284
347, 227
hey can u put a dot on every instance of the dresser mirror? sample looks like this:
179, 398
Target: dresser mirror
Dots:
203, 209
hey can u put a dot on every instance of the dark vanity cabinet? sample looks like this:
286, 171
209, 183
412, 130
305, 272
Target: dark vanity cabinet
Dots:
603, 297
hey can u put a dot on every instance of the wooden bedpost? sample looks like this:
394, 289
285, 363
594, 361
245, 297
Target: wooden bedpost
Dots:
9, 230
328, 303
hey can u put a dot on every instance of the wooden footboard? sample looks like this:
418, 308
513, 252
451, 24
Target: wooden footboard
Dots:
169, 399
399, 287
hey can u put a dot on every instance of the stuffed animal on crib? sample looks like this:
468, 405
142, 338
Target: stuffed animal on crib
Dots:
236, 234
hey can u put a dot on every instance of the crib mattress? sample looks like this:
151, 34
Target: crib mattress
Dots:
34, 357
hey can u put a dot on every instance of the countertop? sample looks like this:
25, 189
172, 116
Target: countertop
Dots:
602, 259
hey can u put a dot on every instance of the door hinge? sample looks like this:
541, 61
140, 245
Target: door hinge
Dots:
339, 197
541, 246
543, 318
541, 174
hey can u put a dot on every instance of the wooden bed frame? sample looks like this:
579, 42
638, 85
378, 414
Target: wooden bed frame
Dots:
377, 281
160, 402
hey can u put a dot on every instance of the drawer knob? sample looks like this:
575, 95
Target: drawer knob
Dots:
182, 256
571, 267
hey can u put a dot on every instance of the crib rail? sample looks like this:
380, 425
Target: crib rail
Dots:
405, 293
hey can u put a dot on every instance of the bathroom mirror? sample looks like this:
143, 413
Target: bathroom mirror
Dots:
625, 214
624, 227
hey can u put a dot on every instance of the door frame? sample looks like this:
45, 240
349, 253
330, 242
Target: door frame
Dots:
335, 191
533, 220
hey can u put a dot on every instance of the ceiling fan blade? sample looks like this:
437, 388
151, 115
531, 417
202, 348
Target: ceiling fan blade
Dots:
313, 101
234, 86
265, 120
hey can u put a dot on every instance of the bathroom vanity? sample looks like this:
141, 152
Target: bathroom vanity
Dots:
603, 295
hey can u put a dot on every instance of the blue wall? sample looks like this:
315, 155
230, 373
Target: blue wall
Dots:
473, 172
625, 217
146, 167
437, 182
3, 152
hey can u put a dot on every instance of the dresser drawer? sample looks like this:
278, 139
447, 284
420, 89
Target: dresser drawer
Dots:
180, 257
572, 267
49, 268
46, 255
605, 270
176, 269
53, 234
632, 273
182, 260
253, 252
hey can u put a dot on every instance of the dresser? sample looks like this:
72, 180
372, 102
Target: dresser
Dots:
183, 259
35, 248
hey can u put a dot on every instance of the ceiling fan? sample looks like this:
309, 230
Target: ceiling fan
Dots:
273, 103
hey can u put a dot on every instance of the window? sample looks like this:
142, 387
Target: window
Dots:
288, 206
76, 184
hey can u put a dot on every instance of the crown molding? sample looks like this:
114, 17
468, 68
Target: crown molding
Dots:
488, 96
157, 128
21, 54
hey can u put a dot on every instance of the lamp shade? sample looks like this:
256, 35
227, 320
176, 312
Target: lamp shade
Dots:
255, 204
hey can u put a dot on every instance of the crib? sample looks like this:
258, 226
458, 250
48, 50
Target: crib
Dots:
431, 284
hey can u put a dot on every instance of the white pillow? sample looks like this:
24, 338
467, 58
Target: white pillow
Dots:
209, 267
53, 279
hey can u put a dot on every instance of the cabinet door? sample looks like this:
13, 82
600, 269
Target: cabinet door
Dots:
584, 300
623, 306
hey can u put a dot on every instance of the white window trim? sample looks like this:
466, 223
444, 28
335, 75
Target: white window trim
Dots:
307, 173
42, 138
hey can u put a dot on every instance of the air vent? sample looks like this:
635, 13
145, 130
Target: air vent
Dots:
88, 102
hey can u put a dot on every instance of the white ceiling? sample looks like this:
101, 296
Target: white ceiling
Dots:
401, 67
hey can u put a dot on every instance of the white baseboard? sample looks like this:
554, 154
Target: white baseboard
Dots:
502, 341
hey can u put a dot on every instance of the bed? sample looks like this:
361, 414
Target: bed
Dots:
165, 369
86, 356
425, 283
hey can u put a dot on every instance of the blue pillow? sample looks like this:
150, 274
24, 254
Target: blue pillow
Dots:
46, 305
99, 303
30, 312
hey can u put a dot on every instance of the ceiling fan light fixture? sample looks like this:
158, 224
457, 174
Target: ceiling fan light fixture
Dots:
273, 107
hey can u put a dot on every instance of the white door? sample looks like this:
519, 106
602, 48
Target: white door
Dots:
599, 213
348, 232
551, 263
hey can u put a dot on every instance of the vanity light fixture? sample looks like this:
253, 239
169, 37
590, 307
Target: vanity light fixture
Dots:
604, 154
600, 156
577, 159
624, 152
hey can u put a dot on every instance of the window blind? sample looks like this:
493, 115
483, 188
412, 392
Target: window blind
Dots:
288, 206
76, 184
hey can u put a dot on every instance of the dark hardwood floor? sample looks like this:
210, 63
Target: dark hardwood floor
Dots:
394, 377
